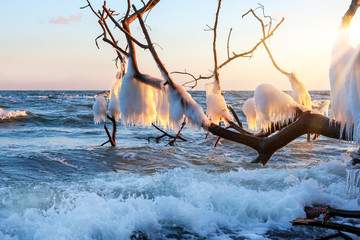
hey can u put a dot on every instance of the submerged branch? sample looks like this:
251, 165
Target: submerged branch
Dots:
164, 134
335, 226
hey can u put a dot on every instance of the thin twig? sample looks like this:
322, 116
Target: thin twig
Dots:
165, 134
228, 43
171, 143
196, 79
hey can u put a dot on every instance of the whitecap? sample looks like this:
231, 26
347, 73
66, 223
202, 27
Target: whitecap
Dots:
12, 114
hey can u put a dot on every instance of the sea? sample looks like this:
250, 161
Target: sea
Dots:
58, 182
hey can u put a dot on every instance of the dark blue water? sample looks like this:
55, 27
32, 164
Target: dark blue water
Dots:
57, 182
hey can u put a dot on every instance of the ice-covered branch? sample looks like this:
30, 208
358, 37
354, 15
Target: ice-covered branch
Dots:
346, 20
344, 79
307, 122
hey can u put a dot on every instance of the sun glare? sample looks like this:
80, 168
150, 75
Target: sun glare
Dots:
354, 33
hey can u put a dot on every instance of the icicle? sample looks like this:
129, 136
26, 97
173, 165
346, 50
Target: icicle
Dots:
345, 85
181, 103
216, 108
272, 105
114, 105
299, 92
99, 109
250, 113
162, 108
137, 100
352, 181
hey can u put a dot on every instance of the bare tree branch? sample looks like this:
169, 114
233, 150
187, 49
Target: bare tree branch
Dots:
228, 43
123, 30
216, 72
151, 48
171, 143
195, 79
248, 53
263, 28
165, 134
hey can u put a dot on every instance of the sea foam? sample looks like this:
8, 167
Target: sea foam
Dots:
11, 114
246, 203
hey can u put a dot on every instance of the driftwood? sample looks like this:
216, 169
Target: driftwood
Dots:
329, 225
329, 212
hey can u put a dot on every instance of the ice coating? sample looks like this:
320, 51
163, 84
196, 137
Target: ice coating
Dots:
299, 92
114, 104
321, 107
162, 108
137, 100
141, 104
181, 102
216, 108
272, 105
250, 113
345, 86
99, 109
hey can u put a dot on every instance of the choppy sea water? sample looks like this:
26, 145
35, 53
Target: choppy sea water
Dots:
57, 182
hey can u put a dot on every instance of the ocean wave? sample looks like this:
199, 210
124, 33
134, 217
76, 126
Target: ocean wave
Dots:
12, 114
179, 203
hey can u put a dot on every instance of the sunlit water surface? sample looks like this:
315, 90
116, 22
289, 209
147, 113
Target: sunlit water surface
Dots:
57, 182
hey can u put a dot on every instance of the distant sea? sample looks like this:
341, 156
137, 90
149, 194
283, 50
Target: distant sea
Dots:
57, 182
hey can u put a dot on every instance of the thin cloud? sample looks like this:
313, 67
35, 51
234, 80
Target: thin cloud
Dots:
64, 20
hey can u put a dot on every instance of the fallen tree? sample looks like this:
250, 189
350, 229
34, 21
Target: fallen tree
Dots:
146, 100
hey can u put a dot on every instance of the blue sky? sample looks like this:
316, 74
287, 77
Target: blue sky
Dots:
50, 44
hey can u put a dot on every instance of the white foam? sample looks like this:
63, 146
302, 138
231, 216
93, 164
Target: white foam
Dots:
246, 203
6, 114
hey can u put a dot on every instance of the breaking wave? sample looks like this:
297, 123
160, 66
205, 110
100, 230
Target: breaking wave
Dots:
12, 114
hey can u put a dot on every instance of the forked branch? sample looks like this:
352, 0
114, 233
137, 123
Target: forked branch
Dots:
267, 31
263, 28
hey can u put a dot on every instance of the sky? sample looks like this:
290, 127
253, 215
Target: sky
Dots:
49, 45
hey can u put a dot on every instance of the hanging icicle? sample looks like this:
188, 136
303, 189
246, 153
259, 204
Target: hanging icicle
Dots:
345, 85
99, 109
114, 104
216, 107
250, 113
269, 105
137, 100
299, 92
181, 103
